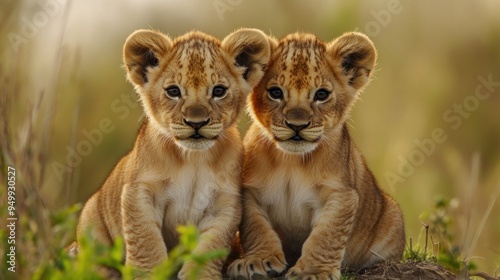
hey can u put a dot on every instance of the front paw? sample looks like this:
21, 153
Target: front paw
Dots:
297, 272
257, 267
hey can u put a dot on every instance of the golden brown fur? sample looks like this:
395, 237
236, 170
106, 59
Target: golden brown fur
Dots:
185, 167
310, 201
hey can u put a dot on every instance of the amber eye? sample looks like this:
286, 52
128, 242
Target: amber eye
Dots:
173, 92
275, 93
321, 95
219, 91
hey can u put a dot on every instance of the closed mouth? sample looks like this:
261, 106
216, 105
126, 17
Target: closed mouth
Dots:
297, 138
197, 136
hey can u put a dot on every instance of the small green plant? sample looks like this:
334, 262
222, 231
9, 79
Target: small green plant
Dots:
438, 224
418, 253
84, 265
184, 253
92, 256
60, 265
347, 276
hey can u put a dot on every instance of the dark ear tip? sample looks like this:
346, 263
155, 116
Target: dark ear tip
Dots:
151, 59
251, 50
359, 57
356, 55
354, 47
142, 49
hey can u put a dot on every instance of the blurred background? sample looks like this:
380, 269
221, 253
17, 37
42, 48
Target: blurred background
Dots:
428, 124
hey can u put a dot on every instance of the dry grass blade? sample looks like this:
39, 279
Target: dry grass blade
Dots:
487, 213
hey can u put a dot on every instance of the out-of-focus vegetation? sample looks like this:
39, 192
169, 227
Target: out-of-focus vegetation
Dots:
83, 266
440, 245
428, 123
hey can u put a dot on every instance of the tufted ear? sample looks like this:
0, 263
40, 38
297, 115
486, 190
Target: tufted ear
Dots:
355, 54
250, 49
142, 50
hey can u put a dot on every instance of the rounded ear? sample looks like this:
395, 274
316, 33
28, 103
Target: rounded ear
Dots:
355, 54
142, 50
251, 50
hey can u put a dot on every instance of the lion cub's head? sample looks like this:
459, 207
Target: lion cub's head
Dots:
194, 87
309, 87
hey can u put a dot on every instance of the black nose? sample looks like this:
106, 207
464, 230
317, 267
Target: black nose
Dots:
295, 127
196, 125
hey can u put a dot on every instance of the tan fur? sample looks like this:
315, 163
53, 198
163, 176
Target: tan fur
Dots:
170, 178
312, 203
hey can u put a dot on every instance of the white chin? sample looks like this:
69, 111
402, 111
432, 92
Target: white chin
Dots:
296, 147
196, 145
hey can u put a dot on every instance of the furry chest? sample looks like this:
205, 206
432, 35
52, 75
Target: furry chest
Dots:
189, 196
291, 202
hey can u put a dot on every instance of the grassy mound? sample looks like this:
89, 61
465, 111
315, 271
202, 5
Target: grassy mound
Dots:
405, 270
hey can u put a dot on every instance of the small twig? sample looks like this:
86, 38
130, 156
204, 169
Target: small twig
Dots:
426, 226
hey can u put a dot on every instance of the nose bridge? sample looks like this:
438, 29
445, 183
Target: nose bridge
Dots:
297, 110
196, 113
297, 116
196, 110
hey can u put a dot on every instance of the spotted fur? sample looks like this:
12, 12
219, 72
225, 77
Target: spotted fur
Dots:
310, 202
185, 166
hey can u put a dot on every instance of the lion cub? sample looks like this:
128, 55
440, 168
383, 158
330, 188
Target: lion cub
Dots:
310, 201
185, 166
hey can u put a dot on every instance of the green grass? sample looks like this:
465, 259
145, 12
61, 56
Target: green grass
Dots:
440, 245
91, 256
347, 276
